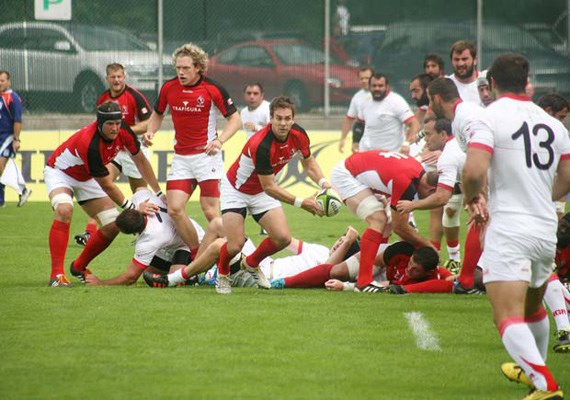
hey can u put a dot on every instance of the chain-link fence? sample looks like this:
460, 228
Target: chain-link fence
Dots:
59, 66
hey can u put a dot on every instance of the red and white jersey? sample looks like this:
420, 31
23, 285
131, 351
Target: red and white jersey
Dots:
391, 174
263, 154
467, 91
85, 154
357, 103
134, 106
159, 236
468, 119
526, 146
194, 111
259, 116
384, 123
397, 265
450, 164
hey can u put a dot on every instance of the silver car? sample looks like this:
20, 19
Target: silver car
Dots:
49, 61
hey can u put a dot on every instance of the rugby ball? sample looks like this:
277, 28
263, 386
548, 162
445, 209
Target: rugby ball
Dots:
329, 201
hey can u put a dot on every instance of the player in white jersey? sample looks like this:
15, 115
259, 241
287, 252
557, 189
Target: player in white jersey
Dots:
256, 115
463, 57
438, 136
524, 148
385, 118
353, 116
157, 241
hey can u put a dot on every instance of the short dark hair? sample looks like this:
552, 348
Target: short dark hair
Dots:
254, 84
281, 102
130, 221
443, 124
427, 257
460, 46
436, 59
510, 72
424, 80
2, 72
379, 75
554, 101
445, 88
366, 68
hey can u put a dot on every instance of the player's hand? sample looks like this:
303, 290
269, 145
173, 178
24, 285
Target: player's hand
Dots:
431, 157
341, 143
148, 208
213, 147
250, 126
334, 284
311, 205
147, 138
405, 206
92, 280
16, 145
405, 149
478, 211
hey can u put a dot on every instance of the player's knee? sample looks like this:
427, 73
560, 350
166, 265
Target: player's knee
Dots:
62, 204
177, 210
341, 271
281, 240
450, 219
108, 216
370, 208
210, 212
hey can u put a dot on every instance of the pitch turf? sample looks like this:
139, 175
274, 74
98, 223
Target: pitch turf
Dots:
137, 342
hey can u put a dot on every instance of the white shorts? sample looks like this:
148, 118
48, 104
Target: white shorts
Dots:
255, 204
83, 191
344, 183
312, 255
511, 256
201, 167
128, 166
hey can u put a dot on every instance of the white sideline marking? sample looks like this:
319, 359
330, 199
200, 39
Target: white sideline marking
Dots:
425, 339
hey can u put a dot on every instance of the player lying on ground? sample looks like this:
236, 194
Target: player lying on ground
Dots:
305, 255
157, 243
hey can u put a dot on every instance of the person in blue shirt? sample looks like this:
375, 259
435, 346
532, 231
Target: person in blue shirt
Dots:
10, 128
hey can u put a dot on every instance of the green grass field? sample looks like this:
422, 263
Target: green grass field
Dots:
137, 342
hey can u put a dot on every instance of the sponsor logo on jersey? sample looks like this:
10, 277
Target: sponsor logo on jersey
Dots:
187, 108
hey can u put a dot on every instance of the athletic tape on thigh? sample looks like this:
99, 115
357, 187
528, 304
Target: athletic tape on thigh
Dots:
353, 264
454, 204
368, 206
108, 216
61, 198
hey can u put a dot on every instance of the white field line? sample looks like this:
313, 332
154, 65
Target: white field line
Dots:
425, 338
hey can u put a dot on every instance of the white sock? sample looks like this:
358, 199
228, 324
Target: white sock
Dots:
454, 253
540, 330
566, 295
175, 278
554, 299
520, 344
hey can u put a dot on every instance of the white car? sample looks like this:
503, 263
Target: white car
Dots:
68, 61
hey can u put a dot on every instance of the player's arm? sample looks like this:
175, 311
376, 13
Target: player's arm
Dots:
17, 129
406, 232
140, 127
130, 276
112, 190
144, 167
474, 179
153, 125
413, 127
277, 192
313, 170
346, 125
233, 124
561, 180
437, 199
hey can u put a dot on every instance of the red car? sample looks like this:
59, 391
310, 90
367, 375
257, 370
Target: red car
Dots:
289, 67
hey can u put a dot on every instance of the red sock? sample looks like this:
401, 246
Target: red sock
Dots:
430, 286
311, 278
224, 260
369, 244
435, 244
265, 249
194, 253
452, 243
96, 245
471, 257
91, 228
58, 239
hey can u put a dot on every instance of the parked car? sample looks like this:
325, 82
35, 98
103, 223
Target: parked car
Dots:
401, 54
68, 61
290, 67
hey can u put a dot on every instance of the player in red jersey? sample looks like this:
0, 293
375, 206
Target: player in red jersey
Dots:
250, 186
362, 177
136, 112
78, 168
195, 102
